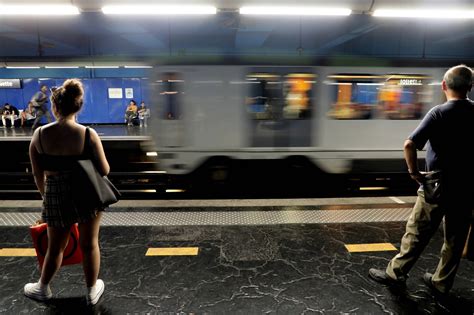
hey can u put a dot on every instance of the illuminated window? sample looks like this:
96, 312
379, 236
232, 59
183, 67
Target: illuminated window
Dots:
393, 96
298, 88
275, 97
405, 96
264, 99
353, 96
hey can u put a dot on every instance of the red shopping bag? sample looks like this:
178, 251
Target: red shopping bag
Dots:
72, 254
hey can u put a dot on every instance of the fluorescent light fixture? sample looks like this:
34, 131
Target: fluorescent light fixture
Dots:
38, 9
159, 9
22, 67
425, 14
138, 67
290, 10
152, 154
61, 67
102, 67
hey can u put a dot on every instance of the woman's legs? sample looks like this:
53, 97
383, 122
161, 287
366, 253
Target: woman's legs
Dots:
89, 242
57, 242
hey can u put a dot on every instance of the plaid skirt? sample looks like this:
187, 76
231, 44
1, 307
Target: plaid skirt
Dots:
59, 209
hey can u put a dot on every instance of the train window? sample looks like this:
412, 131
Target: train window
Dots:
263, 100
172, 88
353, 96
298, 96
404, 96
390, 96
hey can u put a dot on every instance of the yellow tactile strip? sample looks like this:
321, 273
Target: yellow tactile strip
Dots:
193, 251
172, 251
161, 251
374, 247
17, 252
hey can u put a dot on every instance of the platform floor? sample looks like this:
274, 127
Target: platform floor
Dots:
282, 267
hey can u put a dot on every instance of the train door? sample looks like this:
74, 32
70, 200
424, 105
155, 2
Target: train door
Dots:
279, 104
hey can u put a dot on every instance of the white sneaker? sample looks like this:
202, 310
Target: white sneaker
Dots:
94, 293
37, 291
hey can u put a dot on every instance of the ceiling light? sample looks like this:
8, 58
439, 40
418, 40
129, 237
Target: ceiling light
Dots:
138, 67
22, 67
159, 9
61, 67
426, 14
277, 10
35, 9
102, 67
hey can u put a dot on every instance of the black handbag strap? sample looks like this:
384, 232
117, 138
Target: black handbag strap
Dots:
39, 137
87, 150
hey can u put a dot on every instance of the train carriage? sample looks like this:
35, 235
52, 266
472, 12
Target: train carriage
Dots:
215, 122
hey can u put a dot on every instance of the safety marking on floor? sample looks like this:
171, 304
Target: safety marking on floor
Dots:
397, 200
374, 247
226, 218
172, 251
17, 252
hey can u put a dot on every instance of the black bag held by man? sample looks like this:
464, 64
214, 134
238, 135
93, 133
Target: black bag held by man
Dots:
433, 187
90, 188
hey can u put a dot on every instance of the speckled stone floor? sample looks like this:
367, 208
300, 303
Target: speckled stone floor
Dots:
272, 269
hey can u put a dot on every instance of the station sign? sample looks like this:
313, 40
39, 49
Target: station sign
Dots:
410, 82
10, 84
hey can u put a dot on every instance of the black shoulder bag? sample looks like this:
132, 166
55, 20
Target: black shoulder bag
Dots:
90, 189
433, 187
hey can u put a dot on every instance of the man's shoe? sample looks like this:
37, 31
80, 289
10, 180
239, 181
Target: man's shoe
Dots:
382, 277
94, 293
38, 292
427, 280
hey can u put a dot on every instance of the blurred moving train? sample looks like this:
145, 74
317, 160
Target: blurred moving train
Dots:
293, 124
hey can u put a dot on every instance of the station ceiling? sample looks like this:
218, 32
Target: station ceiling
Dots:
95, 35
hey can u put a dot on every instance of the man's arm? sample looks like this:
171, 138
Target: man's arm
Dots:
411, 159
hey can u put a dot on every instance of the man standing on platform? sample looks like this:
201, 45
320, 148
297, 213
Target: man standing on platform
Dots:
448, 131
39, 101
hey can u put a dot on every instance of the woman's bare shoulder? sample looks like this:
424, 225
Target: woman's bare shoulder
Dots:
94, 135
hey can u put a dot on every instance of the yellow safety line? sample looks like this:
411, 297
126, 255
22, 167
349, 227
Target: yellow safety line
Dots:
375, 247
172, 251
17, 252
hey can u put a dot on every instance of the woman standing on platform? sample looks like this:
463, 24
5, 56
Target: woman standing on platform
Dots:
54, 149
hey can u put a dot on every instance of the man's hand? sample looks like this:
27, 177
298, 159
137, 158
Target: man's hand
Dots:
417, 176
